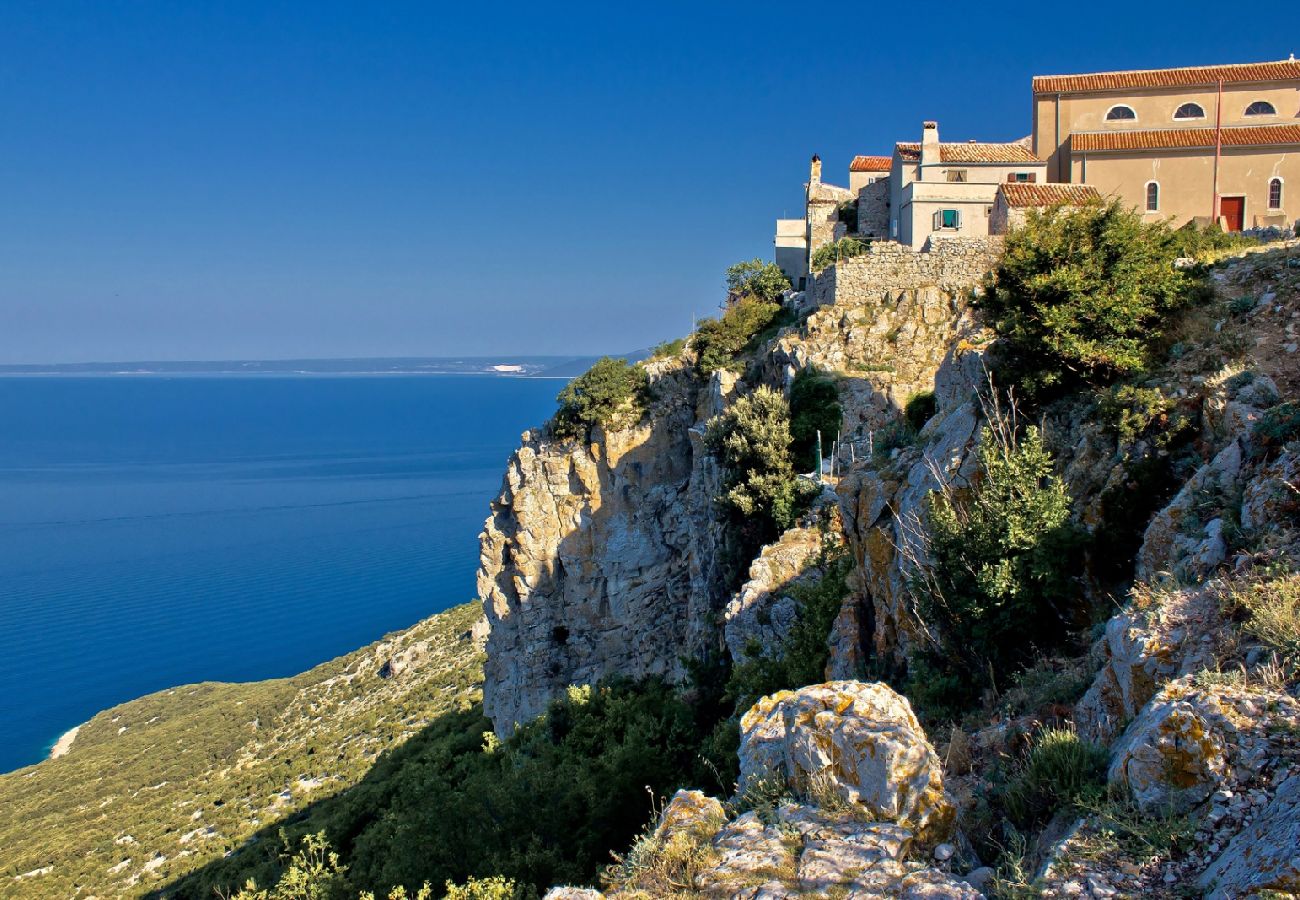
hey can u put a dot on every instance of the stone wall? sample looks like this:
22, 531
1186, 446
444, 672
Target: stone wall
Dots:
951, 265
873, 209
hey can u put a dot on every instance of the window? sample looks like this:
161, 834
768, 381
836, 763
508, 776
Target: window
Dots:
1120, 112
1189, 111
1261, 108
957, 176
1023, 177
1275, 194
947, 220
1153, 196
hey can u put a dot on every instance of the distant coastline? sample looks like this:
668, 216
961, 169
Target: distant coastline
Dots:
497, 366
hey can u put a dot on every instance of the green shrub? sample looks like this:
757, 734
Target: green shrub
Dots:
668, 349
918, 410
1059, 771
814, 406
1132, 412
494, 888
752, 441
610, 394
312, 872
757, 279
844, 248
1278, 426
1272, 606
718, 341
1080, 295
1205, 242
999, 585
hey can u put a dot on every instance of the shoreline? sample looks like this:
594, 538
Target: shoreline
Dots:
64, 743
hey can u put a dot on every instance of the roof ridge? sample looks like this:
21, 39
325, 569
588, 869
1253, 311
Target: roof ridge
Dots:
1266, 62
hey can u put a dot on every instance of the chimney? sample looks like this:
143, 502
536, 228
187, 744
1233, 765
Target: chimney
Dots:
929, 143
815, 173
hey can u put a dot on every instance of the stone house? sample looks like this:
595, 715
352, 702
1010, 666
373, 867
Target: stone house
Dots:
947, 190
1014, 199
869, 180
1205, 142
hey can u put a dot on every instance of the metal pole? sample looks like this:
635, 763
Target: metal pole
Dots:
1218, 151
819, 456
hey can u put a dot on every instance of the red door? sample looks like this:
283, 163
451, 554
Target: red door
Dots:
1233, 211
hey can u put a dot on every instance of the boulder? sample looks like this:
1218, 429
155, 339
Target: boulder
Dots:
573, 893
1171, 757
857, 743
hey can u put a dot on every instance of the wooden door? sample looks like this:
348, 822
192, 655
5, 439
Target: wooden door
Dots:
1233, 211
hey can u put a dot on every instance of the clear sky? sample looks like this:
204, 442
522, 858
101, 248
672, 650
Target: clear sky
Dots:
185, 180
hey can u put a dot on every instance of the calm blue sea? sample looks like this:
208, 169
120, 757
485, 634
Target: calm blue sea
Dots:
159, 531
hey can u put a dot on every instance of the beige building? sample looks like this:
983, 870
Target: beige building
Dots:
1205, 143
939, 189
1015, 199
869, 180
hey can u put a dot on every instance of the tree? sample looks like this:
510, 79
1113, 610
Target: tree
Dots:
752, 441
814, 407
610, 393
718, 341
1080, 293
756, 278
999, 584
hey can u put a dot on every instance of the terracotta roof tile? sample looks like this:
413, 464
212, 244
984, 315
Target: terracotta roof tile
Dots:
1019, 194
1285, 70
1174, 138
973, 153
871, 164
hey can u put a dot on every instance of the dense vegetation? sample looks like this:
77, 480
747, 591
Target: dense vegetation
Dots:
844, 248
1000, 583
1080, 296
718, 342
609, 394
758, 280
814, 407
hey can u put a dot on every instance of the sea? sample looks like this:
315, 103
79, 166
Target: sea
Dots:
158, 530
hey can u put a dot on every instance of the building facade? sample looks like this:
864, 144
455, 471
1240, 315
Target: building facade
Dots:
1206, 143
947, 190
1014, 200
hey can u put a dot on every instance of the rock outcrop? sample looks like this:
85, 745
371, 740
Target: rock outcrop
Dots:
853, 741
603, 557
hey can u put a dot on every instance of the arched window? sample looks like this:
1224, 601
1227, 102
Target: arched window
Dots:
1119, 112
1153, 196
1261, 108
1275, 194
1189, 111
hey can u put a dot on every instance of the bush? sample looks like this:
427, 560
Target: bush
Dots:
814, 406
1277, 427
757, 279
668, 349
494, 888
999, 584
611, 393
833, 252
1204, 242
1133, 412
920, 407
752, 441
718, 341
1059, 771
1080, 296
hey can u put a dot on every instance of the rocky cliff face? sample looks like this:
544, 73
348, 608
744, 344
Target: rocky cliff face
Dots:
603, 558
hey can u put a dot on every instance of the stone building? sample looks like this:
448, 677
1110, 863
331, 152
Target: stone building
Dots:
1205, 142
869, 180
1014, 199
947, 190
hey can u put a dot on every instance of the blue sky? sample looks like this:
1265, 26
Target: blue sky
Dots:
271, 180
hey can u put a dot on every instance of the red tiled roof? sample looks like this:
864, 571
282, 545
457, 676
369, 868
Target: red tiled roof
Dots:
973, 153
871, 164
1285, 70
1174, 138
1020, 194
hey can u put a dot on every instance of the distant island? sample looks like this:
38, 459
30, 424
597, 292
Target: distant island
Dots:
512, 366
